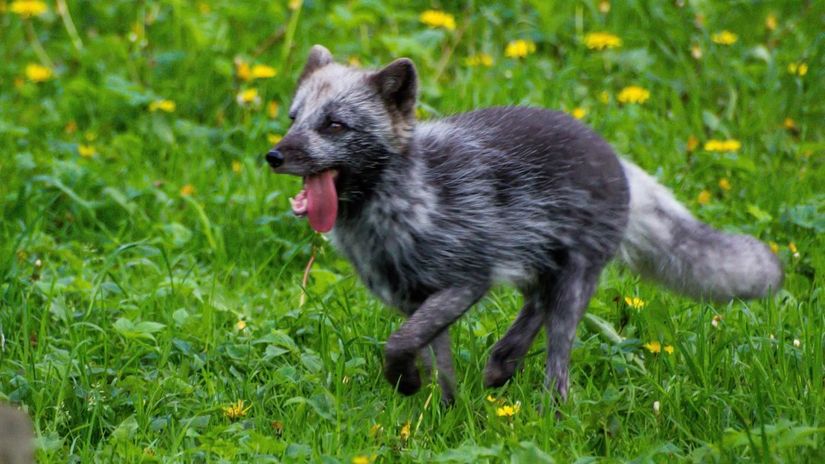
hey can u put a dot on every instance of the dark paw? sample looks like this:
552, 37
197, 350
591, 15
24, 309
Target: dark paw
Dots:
447, 400
498, 372
402, 373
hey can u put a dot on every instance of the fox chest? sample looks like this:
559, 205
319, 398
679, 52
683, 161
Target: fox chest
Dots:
386, 261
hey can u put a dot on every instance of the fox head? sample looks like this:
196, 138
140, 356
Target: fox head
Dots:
347, 123
341, 114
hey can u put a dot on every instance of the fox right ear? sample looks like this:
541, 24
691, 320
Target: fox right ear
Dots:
319, 57
397, 83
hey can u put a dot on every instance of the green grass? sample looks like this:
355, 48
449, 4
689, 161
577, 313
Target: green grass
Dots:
120, 297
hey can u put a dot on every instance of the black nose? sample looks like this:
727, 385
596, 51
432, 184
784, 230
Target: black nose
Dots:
274, 158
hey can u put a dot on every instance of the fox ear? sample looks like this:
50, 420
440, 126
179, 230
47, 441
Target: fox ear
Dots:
398, 83
319, 57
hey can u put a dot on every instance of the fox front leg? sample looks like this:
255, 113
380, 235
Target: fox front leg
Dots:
437, 359
432, 318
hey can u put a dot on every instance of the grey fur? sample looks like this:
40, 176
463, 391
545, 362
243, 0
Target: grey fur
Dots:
666, 243
16, 436
431, 214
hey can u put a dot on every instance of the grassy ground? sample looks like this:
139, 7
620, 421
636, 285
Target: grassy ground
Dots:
152, 274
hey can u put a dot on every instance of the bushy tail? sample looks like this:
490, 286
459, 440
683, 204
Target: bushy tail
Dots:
665, 242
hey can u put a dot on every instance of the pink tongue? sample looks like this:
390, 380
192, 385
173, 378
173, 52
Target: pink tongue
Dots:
322, 201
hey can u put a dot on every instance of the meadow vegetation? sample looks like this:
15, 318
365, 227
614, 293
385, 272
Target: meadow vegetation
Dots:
154, 304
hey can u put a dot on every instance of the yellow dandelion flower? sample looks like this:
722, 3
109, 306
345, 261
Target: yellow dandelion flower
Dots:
579, 113
375, 429
272, 109
38, 73
361, 460
71, 127
692, 143
604, 97
703, 198
732, 145
519, 48
635, 302
235, 410
187, 190
240, 325
273, 139
789, 124
167, 106
602, 40
792, 67
633, 94
774, 247
798, 69
770, 22
792, 247
653, 347
724, 38
86, 151
724, 184
491, 398
508, 410
404, 434
669, 349
479, 59
248, 97
28, 8
236, 166
262, 71
437, 18
728, 145
242, 69
354, 61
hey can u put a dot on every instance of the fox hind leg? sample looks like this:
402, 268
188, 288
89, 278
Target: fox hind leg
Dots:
507, 354
566, 303
557, 302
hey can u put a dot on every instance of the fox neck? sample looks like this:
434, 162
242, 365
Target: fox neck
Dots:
357, 190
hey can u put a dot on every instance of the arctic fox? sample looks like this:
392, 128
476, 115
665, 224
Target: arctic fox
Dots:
431, 214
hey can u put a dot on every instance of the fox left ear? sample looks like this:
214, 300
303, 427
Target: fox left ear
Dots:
398, 83
318, 57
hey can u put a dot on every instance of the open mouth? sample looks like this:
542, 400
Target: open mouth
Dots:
318, 200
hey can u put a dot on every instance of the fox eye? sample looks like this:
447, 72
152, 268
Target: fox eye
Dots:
334, 127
